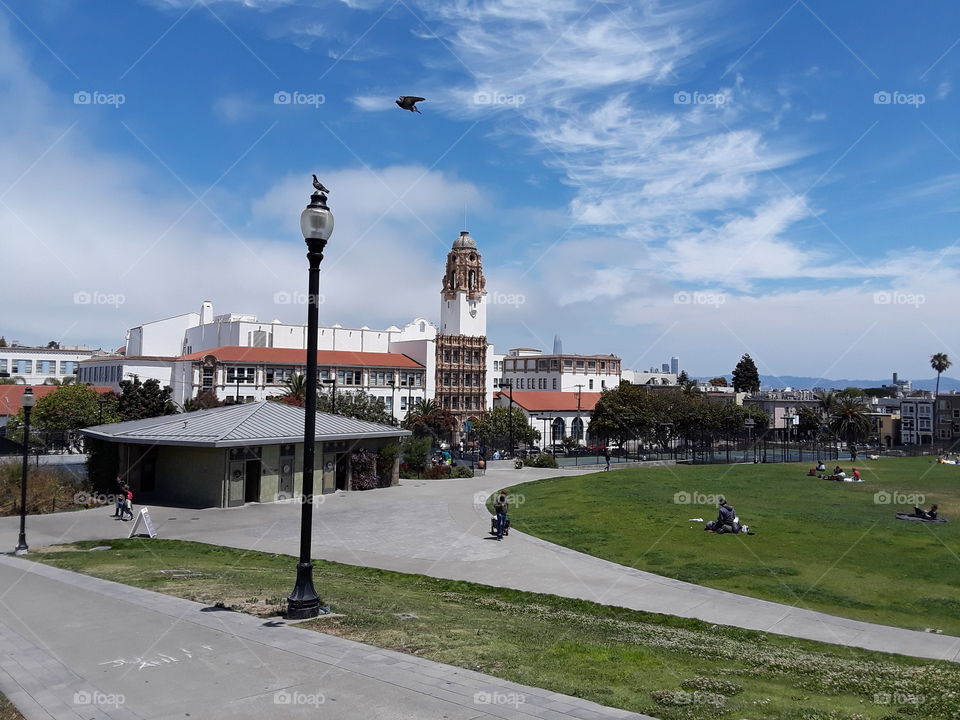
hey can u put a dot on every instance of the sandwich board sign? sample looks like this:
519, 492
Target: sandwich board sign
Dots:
143, 517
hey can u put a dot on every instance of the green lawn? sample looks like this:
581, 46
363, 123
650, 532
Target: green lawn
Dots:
821, 545
671, 668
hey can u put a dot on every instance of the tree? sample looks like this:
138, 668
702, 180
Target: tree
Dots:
826, 399
810, 422
682, 377
53, 345
426, 417
624, 413
719, 382
416, 452
848, 420
295, 388
72, 407
939, 362
493, 427
3, 341
358, 405
139, 400
746, 378
203, 401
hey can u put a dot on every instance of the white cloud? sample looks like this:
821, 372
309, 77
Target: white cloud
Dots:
373, 103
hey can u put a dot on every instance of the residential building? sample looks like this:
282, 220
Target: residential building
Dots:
650, 377
529, 369
555, 415
948, 421
36, 366
916, 421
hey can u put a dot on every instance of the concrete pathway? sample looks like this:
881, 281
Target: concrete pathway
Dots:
439, 528
73, 646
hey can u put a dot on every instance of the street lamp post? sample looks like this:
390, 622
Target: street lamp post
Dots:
27, 402
101, 401
393, 396
509, 384
576, 460
316, 222
789, 418
333, 393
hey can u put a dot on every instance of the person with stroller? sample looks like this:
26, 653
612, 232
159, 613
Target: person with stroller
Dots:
501, 506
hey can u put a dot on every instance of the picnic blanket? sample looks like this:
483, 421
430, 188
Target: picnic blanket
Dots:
911, 516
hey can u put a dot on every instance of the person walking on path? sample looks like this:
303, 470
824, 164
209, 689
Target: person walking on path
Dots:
501, 506
127, 503
121, 498
606, 456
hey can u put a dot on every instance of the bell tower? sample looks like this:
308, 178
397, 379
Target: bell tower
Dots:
463, 309
461, 381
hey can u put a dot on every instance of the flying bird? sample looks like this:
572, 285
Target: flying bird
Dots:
319, 185
409, 102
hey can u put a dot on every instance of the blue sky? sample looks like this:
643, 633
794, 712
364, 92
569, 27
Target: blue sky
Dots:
647, 179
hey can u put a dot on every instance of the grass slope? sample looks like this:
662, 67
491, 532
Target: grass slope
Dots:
671, 668
828, 546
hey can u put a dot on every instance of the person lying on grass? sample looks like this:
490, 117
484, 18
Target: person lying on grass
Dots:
930, 514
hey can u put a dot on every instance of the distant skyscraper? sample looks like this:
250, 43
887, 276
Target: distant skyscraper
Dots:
665, 367
557, 345
675, 365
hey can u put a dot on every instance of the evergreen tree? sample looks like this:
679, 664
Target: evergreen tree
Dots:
746, 378
139, 400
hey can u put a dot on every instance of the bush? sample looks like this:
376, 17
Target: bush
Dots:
416, 453
543, 460
363, 473
462, 471
386, 457
48, 489
437, 472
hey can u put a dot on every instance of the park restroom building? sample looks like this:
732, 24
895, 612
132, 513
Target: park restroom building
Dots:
232, 455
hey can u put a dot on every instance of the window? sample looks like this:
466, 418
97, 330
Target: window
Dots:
446, 356
579, 364
278, 375
590, 381
349, 377
541, 365
67, 367
592, 365
46, 367
3, 365
603, 365
554, 383
603, 384
388, 401
455, 403
21, 367
240, 375
456, 356
576, 429
554, 364
206, 382
568, 364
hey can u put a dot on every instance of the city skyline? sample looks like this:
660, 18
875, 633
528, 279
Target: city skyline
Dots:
774, 179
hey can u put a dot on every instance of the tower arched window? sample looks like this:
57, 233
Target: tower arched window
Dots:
472, 281
453, 279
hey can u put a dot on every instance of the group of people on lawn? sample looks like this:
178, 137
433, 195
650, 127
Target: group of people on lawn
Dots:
838, 474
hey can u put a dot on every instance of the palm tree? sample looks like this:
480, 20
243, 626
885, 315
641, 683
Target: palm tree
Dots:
296, 389
939, 362
848, 419
826, 399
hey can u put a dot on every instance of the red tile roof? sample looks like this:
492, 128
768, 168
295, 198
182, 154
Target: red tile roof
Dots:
548, 400
10, 395
294, 356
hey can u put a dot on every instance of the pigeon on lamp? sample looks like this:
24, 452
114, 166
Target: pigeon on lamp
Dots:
319, 185
409, 102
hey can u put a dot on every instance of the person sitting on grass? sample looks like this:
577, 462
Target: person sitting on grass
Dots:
820, 466
726, 518
930, 514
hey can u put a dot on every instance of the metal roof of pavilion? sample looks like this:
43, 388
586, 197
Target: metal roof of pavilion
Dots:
258, 423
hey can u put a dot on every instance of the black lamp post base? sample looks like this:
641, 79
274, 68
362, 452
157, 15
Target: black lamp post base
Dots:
303, 603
